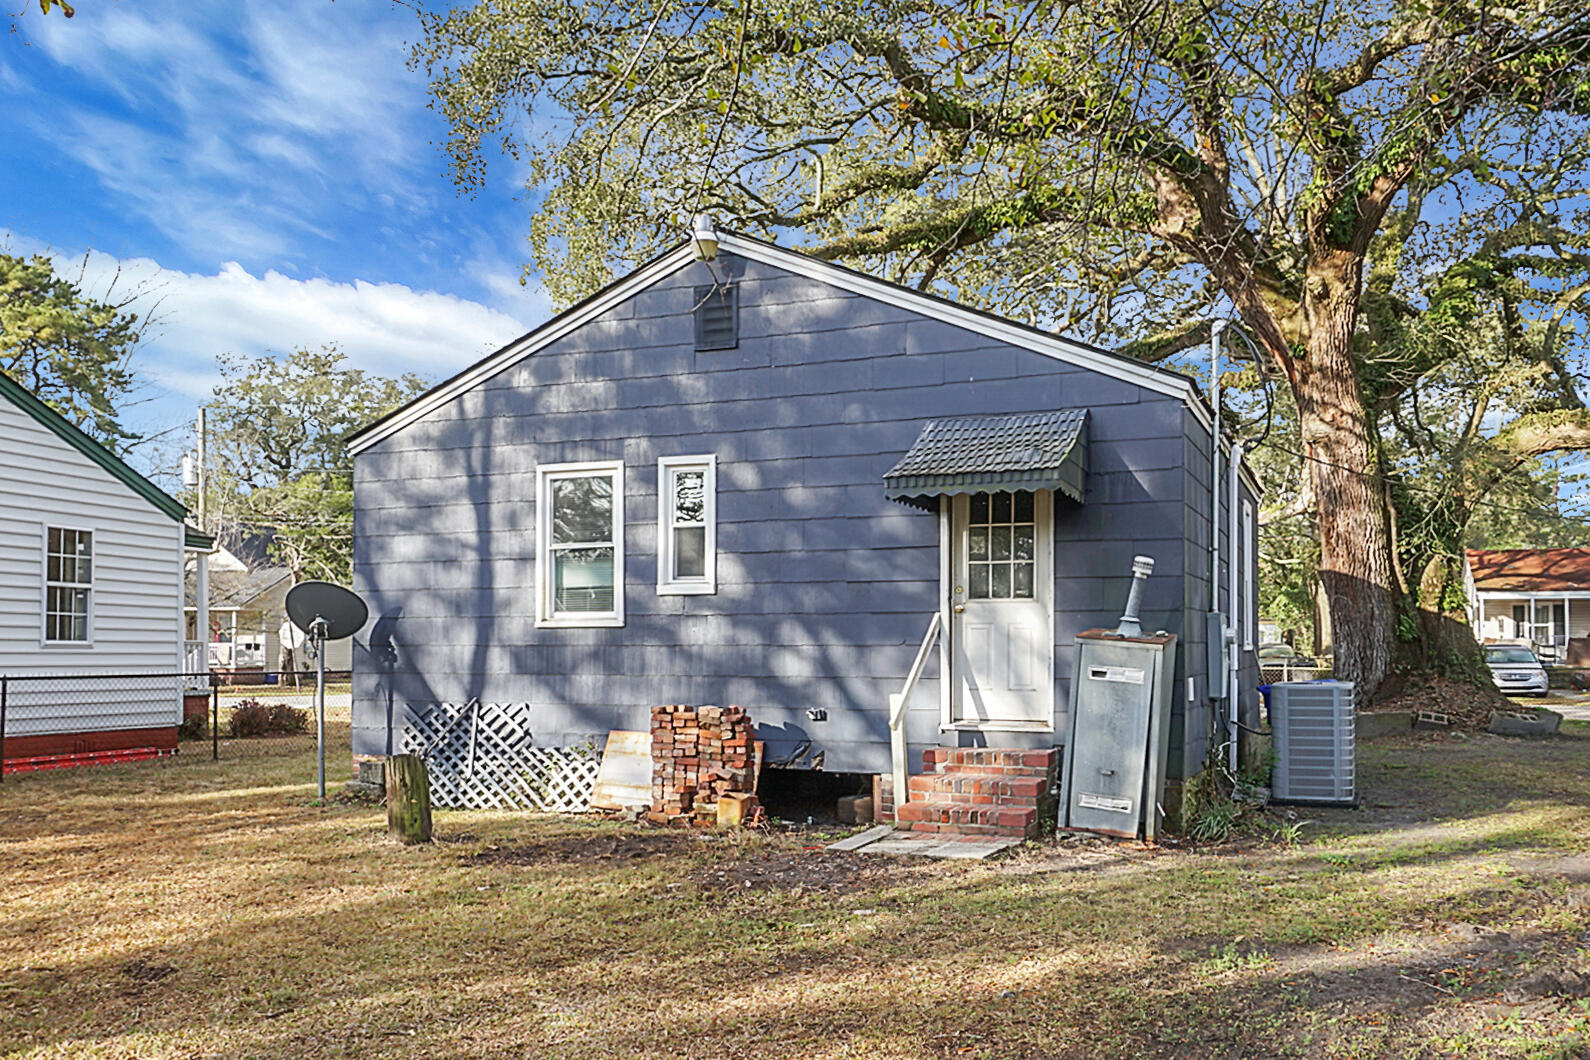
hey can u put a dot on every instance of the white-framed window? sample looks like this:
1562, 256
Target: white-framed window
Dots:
68, 585
580, 544
1250, 562
687, 525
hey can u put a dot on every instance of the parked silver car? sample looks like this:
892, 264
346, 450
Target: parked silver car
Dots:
1515, 669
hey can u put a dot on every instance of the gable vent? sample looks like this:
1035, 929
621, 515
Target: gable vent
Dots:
717, 317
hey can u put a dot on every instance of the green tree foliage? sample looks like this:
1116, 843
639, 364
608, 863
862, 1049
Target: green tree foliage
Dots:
1115, 168
69, 349
279, 456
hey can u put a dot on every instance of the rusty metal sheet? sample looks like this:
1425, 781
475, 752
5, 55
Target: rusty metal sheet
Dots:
624, 780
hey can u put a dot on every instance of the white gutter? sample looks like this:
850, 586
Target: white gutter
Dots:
1238, 619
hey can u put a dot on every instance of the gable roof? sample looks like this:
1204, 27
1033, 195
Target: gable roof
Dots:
235, 590
1082, 355
68, 432
1531, 570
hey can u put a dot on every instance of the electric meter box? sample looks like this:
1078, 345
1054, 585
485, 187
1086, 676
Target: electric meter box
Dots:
1115, 753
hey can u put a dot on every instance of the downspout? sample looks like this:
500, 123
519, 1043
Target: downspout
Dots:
1216, 632
1214, 466
1239, 619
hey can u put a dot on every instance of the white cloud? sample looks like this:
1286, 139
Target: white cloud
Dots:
383, 327
388, 328
241, 130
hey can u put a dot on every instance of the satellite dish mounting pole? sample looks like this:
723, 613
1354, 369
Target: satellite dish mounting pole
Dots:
324, 612
317, 633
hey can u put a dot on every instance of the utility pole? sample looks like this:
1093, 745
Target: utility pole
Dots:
201, 572
203, 472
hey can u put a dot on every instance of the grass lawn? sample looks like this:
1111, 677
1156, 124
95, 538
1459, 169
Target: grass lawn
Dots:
213, 910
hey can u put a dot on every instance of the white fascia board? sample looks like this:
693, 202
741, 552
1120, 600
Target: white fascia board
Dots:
518, 350
1542, 595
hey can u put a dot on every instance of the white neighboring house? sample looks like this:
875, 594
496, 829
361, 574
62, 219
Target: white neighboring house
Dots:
91, 592
248, 612
1538, 595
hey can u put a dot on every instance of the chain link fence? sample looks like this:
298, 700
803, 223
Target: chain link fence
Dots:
66, 720
1274, 673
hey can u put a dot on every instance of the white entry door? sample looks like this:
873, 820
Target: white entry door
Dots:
1002, 611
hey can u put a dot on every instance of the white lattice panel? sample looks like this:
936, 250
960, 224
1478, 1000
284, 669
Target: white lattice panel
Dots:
482, 756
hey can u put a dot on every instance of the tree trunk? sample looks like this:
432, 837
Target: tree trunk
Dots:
1356, 565
1446, 641
408, 799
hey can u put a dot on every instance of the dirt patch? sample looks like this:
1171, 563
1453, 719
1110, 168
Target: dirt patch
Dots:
1468, 706
618, 847
811, 871
143, 970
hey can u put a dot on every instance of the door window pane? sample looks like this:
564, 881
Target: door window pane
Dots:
999, 542
1022, 542
1001, 546
1022, 590
978, 582
999, 587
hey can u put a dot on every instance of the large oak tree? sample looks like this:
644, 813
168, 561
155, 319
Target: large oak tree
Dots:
1110, 166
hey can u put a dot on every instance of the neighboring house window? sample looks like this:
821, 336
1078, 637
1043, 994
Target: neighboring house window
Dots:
580, 556
1250, 544
68, 585
687, 516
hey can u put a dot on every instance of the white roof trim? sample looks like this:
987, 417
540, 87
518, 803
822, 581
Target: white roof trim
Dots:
1147, 376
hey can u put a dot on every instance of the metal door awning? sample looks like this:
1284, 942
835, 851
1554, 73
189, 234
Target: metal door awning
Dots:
986, 454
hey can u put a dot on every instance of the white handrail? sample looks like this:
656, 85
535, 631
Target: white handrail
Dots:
897, 702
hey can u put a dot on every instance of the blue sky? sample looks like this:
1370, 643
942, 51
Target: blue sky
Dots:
269, 176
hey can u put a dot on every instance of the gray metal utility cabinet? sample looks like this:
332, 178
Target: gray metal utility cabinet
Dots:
1120, 720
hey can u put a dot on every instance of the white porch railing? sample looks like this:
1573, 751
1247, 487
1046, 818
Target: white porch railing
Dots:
194, 658
897, 703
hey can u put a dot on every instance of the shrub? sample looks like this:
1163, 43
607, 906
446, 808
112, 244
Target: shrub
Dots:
194, 727
253, 718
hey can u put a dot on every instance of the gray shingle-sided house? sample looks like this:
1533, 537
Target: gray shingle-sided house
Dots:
756, 481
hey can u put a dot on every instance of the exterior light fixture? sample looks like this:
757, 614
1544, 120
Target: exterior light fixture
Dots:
704, 235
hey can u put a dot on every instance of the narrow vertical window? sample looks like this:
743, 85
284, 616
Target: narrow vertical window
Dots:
68, 585
687, 525
580, 555
1250, 562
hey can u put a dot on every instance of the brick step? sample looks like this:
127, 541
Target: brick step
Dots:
977, 787
1007, 820
998, 757
972, 769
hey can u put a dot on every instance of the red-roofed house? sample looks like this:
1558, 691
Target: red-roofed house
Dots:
1541, 595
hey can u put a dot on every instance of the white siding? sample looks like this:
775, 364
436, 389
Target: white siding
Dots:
136, 603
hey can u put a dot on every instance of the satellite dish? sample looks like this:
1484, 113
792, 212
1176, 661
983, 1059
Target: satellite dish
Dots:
341, 610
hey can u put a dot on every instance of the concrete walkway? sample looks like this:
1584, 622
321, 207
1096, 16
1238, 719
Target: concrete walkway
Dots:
883, 839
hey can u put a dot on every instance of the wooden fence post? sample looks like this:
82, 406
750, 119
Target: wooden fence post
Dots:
408, 799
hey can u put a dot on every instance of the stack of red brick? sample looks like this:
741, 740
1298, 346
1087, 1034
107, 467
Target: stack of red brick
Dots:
698, 755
